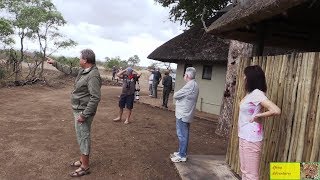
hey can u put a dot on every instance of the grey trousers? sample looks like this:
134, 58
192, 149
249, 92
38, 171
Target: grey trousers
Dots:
83, 132
150, 89
155, 89
166, 93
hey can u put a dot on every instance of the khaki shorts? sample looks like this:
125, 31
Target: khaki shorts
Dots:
83, 132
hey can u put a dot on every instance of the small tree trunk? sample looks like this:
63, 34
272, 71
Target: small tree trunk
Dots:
237, 50
41, 71
18, 65
42, 63
21, 50
16, 70
33, 69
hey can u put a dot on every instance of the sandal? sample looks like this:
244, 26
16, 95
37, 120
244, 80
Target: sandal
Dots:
81, 172
127, 122
76, 164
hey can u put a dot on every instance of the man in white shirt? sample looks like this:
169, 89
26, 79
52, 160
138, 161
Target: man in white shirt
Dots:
150, 84
186, 100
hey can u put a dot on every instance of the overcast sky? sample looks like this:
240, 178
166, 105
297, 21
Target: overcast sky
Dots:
115, 27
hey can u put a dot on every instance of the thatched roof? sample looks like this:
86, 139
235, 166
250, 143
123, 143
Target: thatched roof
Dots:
194, 45
251, 11
292, 24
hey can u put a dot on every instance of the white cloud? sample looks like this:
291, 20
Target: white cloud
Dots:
116, 28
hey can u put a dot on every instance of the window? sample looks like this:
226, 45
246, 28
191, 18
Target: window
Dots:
185, 67
207, 72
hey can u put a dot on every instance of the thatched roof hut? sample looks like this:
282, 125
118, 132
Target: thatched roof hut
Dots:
193, 45
283, 23
205, 52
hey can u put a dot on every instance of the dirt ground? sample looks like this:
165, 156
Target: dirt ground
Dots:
37, 137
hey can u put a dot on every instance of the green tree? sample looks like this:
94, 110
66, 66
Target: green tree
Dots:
5, 31
154, 64
110, 62
115, 61
36, 19
107, 58
134, 60
46, 29
19, 12
190, 12
123, 64
70, 61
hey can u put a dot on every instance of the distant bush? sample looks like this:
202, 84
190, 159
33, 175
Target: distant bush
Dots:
3, 73
70, 61
116, 62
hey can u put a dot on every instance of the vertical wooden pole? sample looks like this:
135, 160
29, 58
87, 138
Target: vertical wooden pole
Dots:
260, 36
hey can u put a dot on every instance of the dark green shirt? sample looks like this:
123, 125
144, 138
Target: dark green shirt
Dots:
167, 82
86, 94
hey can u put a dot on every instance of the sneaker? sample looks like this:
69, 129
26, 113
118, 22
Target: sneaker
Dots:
174, 154
177, 159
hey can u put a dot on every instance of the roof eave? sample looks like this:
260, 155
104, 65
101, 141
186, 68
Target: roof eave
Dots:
251, 12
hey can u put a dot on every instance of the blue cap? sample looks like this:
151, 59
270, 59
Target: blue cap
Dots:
129, 69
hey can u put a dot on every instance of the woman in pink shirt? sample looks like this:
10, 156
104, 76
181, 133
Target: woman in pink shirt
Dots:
250, 130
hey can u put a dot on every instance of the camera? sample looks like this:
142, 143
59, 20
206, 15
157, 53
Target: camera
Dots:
137, 97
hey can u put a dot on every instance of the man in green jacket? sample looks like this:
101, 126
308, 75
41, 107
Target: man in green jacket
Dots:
84, 100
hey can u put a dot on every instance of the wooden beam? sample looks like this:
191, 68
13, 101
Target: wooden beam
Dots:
260, 37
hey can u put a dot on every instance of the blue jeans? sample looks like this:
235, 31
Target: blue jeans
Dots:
183, 136
155, 89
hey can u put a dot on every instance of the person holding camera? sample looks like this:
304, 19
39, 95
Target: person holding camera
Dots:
129, 77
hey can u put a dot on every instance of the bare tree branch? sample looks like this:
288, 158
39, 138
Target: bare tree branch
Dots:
203, 22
